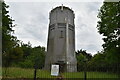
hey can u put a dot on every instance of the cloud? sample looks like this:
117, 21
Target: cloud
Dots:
32, 21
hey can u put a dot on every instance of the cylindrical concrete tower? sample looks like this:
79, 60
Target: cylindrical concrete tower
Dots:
61, 40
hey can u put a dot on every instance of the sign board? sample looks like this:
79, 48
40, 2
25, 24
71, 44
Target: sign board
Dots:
55, 70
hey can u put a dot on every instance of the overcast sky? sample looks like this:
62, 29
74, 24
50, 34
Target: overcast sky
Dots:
32, 19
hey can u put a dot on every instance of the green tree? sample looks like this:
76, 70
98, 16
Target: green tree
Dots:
11, 52
13, 56
80, 62
98, 63
8, 41
84, 53
39, 56
82, 58
36, 58
109, 27
27, 49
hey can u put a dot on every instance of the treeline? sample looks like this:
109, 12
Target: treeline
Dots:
24, 56
15, 52
98, 62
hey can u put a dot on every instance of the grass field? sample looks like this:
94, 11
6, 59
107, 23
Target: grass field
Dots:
29, 73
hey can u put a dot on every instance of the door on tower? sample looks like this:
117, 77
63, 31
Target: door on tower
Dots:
62, 66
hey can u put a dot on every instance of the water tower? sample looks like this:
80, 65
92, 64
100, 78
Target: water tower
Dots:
61, 40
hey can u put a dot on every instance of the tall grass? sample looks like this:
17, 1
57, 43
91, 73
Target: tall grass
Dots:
17, 72
13, 72
101, 75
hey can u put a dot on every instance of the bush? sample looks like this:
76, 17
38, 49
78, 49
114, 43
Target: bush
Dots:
26, 64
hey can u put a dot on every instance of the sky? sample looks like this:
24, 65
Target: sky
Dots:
32, 22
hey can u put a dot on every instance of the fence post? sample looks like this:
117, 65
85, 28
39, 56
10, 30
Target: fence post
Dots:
35, 70
85, 68
85, 75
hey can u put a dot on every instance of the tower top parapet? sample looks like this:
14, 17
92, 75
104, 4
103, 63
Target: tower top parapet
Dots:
62, 8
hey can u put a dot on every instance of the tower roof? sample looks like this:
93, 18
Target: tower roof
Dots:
64, 7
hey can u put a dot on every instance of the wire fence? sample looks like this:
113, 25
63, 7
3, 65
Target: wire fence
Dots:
85, 72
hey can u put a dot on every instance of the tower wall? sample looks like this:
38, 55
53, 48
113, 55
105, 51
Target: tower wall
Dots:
61, 39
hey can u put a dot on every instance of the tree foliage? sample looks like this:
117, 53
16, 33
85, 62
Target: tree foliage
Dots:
109, 27
27, 49
10, 48
35, 59
8, 40
39, 56
84, 53
82, 58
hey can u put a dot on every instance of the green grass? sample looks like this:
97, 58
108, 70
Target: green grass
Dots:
24, 73
101, 75
17, 73
90, 75
0, 73
29, 73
